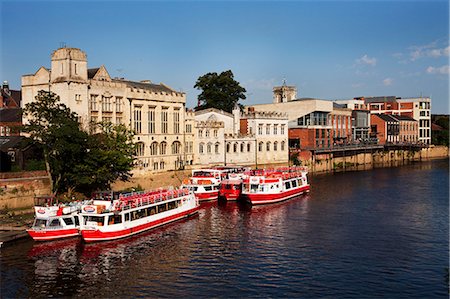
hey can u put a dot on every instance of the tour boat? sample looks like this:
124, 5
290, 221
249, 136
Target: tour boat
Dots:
54, 221
230, 189
135, 212
270, 186
205, 183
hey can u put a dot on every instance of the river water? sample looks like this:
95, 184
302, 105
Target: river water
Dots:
378, 233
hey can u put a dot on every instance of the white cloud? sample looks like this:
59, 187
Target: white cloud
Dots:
388, 81
366, 60
443, 70
429, 50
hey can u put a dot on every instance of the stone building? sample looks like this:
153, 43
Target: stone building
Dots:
155, 112
240, 138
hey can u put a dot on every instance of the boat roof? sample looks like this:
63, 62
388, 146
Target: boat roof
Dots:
231, 181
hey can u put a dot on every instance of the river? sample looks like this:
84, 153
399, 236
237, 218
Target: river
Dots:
377, 233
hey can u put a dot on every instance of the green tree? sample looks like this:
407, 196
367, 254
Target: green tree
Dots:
55, 128
219, 91
76, 160
109, 156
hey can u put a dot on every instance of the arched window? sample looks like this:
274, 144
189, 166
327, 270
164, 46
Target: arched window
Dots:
154, 148
248, 147
242, 147
140, 149
200, 133
228, 147
216, 148
282, 145
200, 148
176, 147
268, 146
260, 146
275, 146
163, 148
208, 148
235, 147
207, 133
215, 133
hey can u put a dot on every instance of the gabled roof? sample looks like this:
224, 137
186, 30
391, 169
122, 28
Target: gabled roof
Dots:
147, 86
214, 110
92, 72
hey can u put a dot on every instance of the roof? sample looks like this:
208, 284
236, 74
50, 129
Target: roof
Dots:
92, 72
387, 117
387, 99
147, 86
12, 115
7, 142
403, 117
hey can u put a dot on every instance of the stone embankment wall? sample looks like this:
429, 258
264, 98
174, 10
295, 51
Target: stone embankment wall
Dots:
18, 189
323, 163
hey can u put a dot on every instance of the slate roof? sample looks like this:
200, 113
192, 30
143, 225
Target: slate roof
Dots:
147, 86
92, 72
404, 117
387, 117
12, 115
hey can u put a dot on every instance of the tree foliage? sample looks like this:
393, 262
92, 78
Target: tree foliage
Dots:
219, 91
76, 160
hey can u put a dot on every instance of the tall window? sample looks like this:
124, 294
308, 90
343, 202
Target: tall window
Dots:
163, 148
275, 146
106, 104
275, 129
154, 148
176, 147
260, 146
268, 146
176, 121
282, 145
200, 148
119, 104
164, 120
151, 120
216, 148
188, 128
260, 129
267, 129
139, 149
215, 133
137, 119
282, 129
93, 102
207, 133
208, 147
200, 133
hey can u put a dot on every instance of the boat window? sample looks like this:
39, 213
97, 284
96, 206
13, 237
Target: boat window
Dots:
54, 222
114, 219
98, 219
68, 220
77, 220
208, 188
162, 208
172, 205
254, 187
195, 189
294, 183
40, 222
300, 182
151, 210
287, 185
227, 186
127, 217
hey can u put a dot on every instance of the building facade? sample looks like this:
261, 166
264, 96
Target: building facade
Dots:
155, 112
417, 108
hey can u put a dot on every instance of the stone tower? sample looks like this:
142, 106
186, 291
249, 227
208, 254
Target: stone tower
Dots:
69, 65
283, 94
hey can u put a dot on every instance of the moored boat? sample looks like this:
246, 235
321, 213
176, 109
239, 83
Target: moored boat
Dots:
205, 183
271, 186
132, 213
230, 189
54, 221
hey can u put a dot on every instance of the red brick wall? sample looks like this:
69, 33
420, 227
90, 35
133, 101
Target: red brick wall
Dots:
381, 128
306, 136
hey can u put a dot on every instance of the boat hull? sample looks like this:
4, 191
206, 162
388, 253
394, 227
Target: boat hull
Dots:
97, 235
207, 196
268, 198
50, 235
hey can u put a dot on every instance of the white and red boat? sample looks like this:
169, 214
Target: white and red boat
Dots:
132, 213
271, 186
205, 183
54, 221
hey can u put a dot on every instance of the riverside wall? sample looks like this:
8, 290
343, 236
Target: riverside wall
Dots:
18, 189
332, 162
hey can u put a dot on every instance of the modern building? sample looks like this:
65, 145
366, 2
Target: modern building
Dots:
417, 108
360, 118
155, 112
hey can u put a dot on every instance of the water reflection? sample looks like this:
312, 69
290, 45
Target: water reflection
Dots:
363, 234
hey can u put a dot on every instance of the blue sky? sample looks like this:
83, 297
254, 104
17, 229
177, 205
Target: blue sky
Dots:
328, 49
